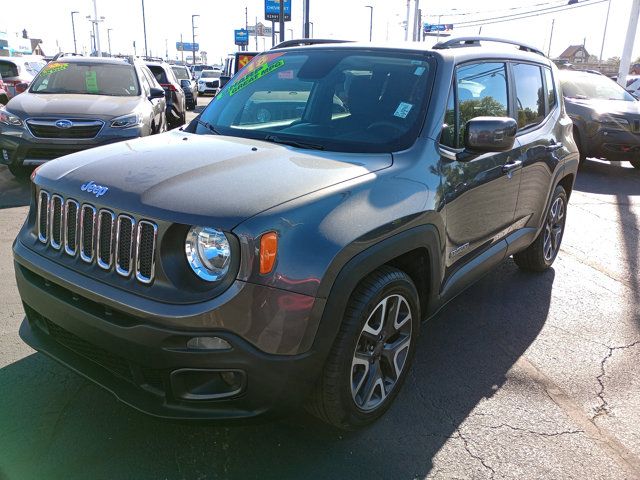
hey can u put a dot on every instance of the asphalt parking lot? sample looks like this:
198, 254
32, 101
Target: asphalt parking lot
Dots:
523, 376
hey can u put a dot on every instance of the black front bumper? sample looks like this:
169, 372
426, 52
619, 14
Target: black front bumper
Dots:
142, 364
615, 145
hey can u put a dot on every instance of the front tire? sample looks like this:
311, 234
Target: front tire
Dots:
372, 352
543, 251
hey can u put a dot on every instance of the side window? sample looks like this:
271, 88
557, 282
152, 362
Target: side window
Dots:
8, 69
482, 92
530, 94
144, 83
150, 78
448, 136
551, 90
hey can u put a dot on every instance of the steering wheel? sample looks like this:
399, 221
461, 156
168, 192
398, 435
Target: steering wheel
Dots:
385, 124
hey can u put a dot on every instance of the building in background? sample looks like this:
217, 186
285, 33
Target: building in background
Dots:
575, 54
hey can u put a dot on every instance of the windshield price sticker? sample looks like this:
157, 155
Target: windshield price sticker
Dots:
403, 110
54, 67
91, 82
257, 74
419, 71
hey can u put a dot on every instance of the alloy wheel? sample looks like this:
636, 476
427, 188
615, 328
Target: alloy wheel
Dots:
381, 352
553, 229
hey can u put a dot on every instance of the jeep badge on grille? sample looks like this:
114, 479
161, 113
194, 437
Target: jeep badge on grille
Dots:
91, 187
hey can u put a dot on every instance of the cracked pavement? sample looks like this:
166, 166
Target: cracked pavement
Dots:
532, 376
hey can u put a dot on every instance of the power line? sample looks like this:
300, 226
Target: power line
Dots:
523, 15
447, 15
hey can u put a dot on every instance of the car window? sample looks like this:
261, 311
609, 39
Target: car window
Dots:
87, 78
8, 69
145, 83
352, 100
159, 74
210, 74
34, 67
529, 94
150, 78
592, 86
552, 99
482, 92
181, 73
448, 136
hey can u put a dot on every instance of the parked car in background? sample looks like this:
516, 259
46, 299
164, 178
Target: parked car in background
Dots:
174, 95
209, 82
79, 103
4, 95
188, 84
18, 72
606, 118
197, 70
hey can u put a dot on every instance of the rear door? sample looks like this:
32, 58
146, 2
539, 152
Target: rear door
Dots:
480, 194
539, 145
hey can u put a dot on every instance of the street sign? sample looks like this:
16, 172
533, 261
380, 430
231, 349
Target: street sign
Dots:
272, 10
242, 37
442, 27
187, 47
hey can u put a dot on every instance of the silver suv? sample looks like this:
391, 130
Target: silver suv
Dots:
77, 103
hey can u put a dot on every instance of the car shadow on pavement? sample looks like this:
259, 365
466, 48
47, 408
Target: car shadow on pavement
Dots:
13, 192
55, 425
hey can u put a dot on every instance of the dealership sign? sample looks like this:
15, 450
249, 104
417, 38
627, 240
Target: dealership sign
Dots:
272, 10
242, 37
443, 27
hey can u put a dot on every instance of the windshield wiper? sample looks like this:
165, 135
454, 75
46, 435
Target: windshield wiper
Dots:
293, 143
209, 127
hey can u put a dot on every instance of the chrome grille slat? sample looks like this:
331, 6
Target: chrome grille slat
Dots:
124, 245
71, 218
43, 216
87, 232
147, 233
104, 241
55, 230
118, 242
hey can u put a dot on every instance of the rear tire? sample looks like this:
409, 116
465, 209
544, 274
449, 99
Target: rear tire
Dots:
543, 251
372, 352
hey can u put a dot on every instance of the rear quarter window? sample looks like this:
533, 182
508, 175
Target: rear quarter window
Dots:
8, 69
159, 73
529, 94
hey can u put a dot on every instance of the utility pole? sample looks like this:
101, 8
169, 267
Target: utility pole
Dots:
604, 34
109, 39
144, 28
370, 20
166, 49
73, 27
255, 29
182, 48
553, 23
306, 33
95, 19
193, 38
415, 21
406, 24
625, 60
273, 33
246, 27
281, 20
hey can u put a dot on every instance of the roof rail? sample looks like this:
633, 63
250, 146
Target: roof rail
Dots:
475, 42
153, 59
301, 42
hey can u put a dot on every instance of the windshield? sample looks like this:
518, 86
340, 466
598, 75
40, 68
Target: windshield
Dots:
87, 79
344, 99
590, 86
181, 73
210, 74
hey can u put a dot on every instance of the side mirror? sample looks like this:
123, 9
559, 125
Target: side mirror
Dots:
224, 79
490, 134
156, 93
185, 83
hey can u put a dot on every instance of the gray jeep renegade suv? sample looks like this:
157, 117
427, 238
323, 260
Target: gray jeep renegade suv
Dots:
286, 247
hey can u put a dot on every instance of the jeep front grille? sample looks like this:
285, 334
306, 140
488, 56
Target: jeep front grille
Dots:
113, 242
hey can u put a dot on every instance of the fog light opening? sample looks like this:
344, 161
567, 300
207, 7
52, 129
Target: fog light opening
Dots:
208, 343
5, 155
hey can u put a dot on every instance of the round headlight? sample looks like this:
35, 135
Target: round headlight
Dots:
208, 253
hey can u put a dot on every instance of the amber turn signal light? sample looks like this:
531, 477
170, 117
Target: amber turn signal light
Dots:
268, 251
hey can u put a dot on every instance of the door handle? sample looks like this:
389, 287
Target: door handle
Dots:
554, 147
509, 167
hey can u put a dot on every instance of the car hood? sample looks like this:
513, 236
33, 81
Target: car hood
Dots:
104, 107
614, 107
201, 179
